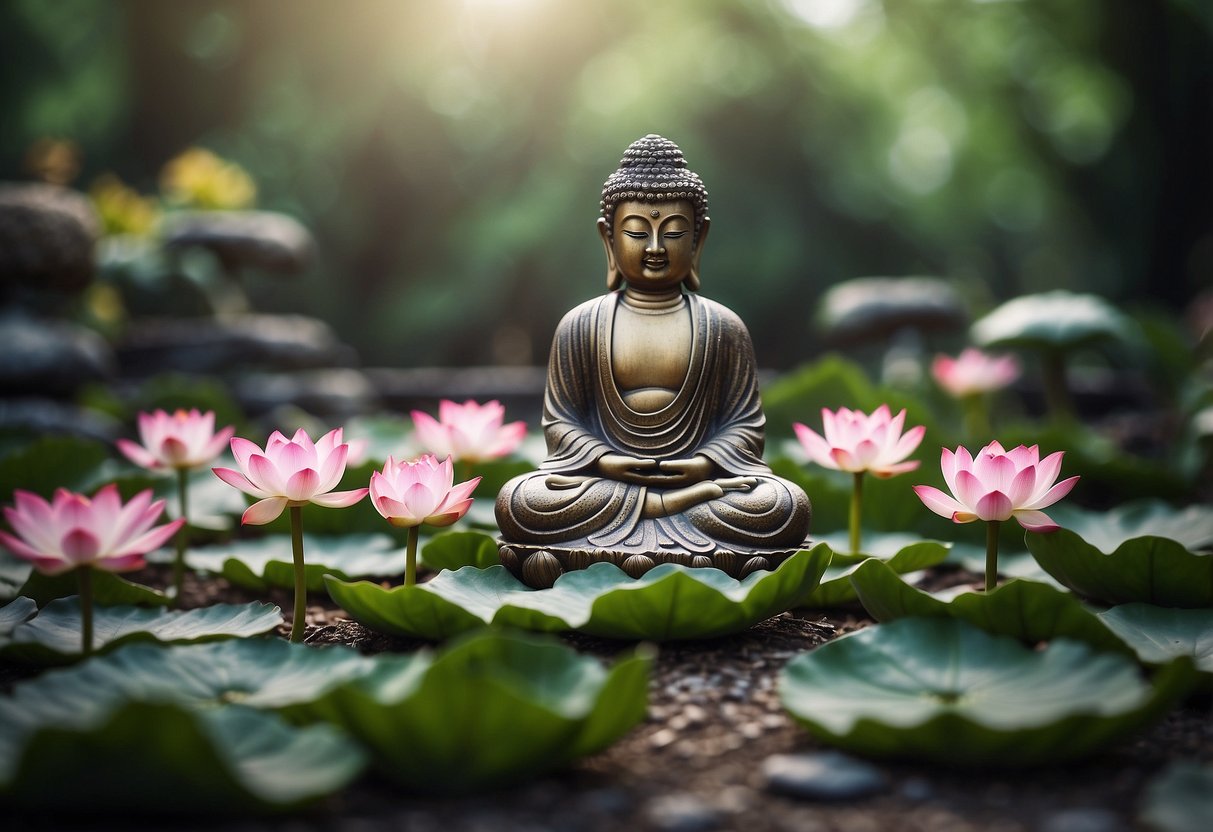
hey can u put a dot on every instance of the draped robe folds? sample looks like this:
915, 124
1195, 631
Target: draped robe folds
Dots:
716, 413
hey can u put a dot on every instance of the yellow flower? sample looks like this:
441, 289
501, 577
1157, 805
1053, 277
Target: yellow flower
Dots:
122, 209
200, 179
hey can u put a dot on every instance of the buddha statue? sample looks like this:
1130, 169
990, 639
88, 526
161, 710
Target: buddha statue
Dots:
652, 419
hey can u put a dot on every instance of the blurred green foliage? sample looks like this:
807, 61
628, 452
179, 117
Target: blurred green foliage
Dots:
448, 156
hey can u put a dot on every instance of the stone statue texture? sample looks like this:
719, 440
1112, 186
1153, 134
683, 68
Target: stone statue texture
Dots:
652, 417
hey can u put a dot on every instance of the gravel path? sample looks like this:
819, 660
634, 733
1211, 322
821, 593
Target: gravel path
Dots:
703, 760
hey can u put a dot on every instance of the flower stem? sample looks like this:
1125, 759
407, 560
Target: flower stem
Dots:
182, 535
991, 554
299, 622
84, 575
1057, 391
976, 417
856, 511
410, 563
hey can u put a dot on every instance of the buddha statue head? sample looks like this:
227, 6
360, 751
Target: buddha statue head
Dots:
654, 218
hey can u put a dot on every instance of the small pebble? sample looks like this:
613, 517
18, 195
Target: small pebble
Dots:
917, 789
682, 813
1082, 820
662, 738
610, 801
825, 776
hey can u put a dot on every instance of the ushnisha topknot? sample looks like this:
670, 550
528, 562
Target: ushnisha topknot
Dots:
653, 170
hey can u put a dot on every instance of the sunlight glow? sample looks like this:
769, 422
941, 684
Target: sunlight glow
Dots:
826, 14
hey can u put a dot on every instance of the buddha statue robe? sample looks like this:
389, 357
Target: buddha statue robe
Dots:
716, 413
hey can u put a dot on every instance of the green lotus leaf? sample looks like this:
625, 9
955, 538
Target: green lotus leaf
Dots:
836, 588
1056, 320
153, 758
1025, 610
384, 435
261, 673
268, 561
490, 710
494, 474
422, 610
1159, 634
799, 396
1010, 564
1180, 799
53, 635
49, 463
14, 572
213, 504
883, 545
900, 511
1149, 569
109, 590
454, 550
482, 514
670, 602
15, 612
1107, 469
943, 691
1191, 527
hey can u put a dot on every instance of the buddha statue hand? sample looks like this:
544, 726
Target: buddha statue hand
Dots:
666, 473
676, 501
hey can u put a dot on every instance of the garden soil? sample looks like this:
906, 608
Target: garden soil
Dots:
696, 763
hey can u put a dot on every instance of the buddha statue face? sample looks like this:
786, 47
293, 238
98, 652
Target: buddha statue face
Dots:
654, 218
652, 246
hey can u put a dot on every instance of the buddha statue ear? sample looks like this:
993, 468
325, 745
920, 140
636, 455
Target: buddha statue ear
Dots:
691, 281
613, 278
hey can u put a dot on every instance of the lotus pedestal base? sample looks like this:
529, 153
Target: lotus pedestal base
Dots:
539, 566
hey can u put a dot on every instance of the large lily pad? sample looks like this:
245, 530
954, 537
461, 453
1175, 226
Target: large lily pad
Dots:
800, 395
134, 757
1180, 799
670, 602
50, 462
14, 572
836, 588
1028, 611
268, 561
53, 635
944, 691
214, 505
1056, 320
255, 672
1142, 552
1159, 634
13, 613
1191, 527
490, 710
890, 505
454, 550
109, 589
1013, 564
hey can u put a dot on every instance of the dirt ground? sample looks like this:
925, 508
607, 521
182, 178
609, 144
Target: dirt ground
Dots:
696, 763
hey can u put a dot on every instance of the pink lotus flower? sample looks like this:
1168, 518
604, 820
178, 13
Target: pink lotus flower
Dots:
180, 441
998, 485
468, 432
974, 372
857, 442
73, 530
290, 472
410, 494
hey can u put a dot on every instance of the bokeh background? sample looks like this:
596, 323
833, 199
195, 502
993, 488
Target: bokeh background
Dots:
447, 156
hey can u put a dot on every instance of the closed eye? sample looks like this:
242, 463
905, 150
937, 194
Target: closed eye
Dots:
674, 235
638, 235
